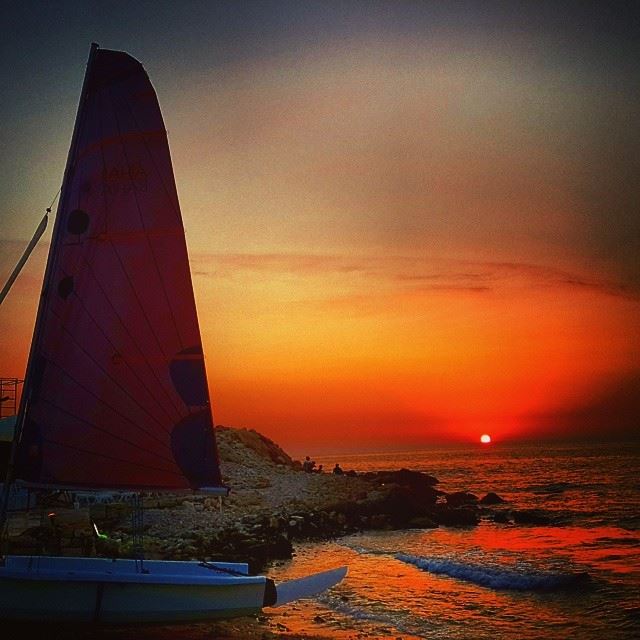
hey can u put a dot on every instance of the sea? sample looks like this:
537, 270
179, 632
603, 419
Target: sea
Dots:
577, 578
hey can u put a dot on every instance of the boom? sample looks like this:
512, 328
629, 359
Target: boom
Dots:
25, 256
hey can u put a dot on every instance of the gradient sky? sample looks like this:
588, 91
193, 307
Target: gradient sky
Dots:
408, 222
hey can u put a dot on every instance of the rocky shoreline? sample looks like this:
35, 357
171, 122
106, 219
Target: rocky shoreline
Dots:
273, 503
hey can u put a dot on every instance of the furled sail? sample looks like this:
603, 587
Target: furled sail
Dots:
116, 395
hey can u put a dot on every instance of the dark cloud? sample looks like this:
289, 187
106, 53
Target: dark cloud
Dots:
612, 194
553, 277
612, 412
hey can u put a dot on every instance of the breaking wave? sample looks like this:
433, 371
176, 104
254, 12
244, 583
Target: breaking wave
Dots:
497, 578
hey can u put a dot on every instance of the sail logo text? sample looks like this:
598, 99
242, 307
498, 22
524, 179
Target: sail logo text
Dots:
124, 179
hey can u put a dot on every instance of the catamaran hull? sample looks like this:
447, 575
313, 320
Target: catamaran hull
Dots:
105, 591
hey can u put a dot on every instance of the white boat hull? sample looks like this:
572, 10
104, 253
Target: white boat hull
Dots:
46, 589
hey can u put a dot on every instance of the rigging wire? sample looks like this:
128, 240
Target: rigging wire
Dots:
54, 200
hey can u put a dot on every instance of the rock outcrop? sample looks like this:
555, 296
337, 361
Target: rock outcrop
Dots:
272, 503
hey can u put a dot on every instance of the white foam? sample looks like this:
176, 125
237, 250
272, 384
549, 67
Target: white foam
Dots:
495, 578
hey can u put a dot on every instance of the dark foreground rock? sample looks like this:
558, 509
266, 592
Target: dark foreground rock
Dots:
530, 516
457, 517
491, 498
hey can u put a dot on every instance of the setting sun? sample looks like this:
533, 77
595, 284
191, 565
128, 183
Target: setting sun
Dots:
485, 438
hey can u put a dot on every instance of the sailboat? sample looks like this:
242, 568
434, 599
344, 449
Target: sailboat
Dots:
115, 396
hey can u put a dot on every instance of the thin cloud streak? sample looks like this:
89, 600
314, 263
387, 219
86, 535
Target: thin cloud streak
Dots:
443, 275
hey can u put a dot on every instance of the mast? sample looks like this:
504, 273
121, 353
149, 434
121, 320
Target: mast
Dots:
24, 400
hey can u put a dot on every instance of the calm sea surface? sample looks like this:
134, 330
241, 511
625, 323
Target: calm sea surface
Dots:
578, 578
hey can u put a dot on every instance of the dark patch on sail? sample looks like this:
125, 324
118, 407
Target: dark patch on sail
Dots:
197, 350
192, 446
188, 376
36, 376
65, 287
29, 457
77, 222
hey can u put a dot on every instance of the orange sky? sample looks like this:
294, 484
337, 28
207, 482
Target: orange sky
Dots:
394, 240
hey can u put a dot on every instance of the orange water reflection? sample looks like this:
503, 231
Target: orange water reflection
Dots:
384, 597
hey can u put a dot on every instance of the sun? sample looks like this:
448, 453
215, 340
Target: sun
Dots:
485, 438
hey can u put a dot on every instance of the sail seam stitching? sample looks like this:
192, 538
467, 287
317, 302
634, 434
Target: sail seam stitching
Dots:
103, 402
107, 375
142, 222
169, 394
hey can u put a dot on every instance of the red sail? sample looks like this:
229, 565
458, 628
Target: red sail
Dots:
116, 393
